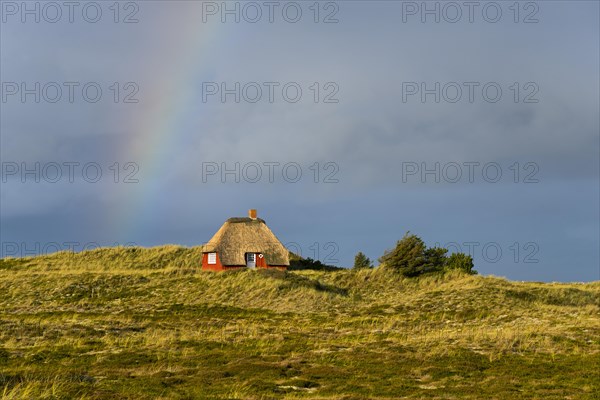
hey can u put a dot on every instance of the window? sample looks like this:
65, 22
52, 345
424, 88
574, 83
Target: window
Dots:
212, 258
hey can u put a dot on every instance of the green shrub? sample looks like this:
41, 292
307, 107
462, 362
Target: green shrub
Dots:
412, 258
298, 264
408, 257
461, 261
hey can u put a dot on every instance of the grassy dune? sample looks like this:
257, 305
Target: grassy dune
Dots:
146, 323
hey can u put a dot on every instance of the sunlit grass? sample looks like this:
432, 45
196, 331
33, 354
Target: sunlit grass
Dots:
146, 323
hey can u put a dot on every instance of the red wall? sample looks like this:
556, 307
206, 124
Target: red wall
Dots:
260, 263
211, 267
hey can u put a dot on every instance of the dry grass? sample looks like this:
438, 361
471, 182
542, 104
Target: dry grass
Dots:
145, 323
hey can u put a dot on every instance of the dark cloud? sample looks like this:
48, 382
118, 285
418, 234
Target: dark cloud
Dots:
370, 134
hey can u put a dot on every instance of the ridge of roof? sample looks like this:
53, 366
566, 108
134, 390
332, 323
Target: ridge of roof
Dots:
244, 219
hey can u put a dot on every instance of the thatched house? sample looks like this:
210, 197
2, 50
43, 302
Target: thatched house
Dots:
244, 242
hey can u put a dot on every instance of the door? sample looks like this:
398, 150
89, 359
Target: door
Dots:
251, 260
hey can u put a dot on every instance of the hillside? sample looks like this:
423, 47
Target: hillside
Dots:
146, 323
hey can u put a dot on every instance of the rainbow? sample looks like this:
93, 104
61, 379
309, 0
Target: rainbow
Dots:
155, 139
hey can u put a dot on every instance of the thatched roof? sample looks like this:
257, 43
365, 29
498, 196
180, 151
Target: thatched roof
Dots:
239, 236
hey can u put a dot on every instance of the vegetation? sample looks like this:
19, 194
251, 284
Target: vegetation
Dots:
462, 262
412, 258
298, 263
362, 261
147, 324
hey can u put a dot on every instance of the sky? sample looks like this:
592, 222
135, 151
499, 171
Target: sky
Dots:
474, 125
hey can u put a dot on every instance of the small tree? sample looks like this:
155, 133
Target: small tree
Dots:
362, 261
435, 259
408, 257
461, 261
412, 258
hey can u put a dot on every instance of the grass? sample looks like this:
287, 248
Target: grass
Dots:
146, 323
